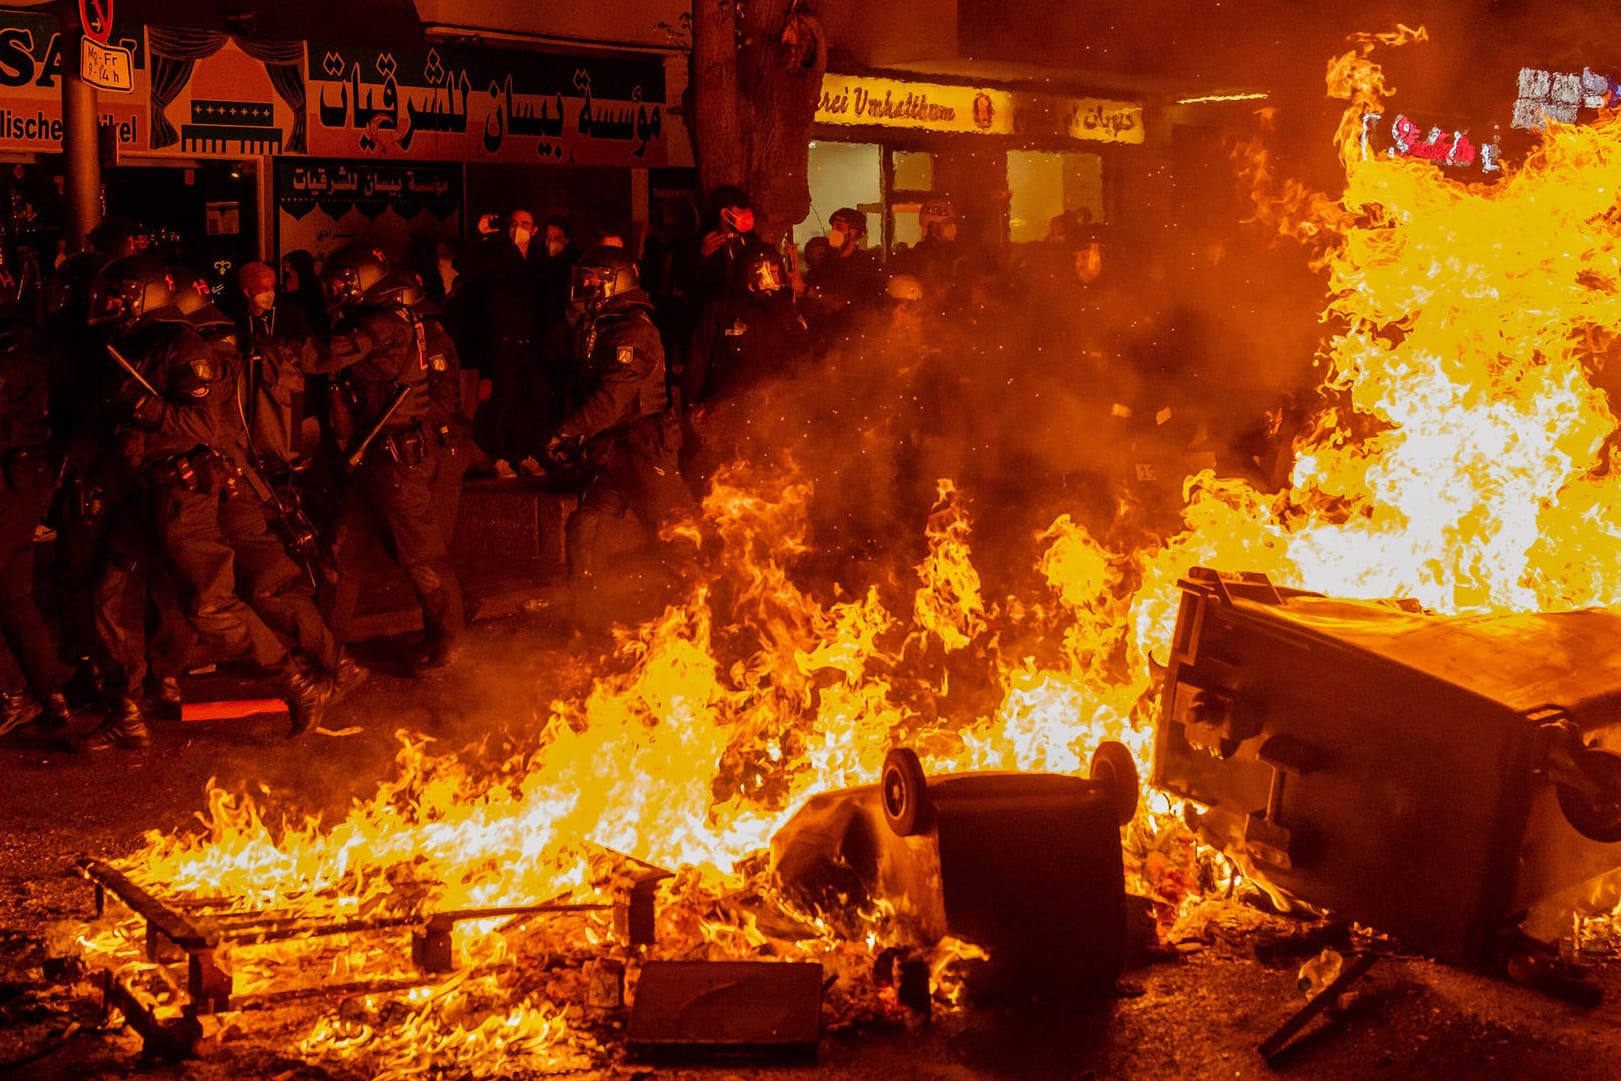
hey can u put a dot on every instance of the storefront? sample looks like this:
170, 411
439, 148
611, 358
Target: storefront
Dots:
1010, 160
246, 149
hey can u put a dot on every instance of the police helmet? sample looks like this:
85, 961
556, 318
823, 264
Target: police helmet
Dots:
194, 300
392, 290
129, 290
350, 273
605, 271
760, 271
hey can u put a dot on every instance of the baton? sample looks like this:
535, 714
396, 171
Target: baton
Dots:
353, 461
133, 374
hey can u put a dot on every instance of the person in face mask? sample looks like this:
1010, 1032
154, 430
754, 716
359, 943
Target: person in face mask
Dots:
504, 327
556, 345
278, 347
850, 277
724, 244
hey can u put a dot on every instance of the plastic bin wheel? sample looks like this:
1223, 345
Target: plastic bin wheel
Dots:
1596, 818
1115, 769
904, 791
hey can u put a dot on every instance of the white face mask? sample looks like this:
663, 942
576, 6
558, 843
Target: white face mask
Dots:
520, 235
264, 301
554, 248
835, 239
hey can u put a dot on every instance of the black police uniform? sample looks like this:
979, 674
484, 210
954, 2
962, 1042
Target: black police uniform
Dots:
624, 421
377, 352
252, 517
174, 441
30, 670
448, 423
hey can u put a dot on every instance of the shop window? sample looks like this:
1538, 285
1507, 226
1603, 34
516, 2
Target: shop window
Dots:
1045, 185
841, 175
907, 229
914, 170
912, 181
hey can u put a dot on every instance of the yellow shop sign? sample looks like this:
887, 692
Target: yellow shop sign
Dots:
897, 103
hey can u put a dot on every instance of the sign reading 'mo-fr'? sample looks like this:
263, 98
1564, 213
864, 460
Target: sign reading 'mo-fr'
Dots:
102, 64
897, 103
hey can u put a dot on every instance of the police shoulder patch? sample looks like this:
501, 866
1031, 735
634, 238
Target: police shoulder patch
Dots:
205, 369
626, 354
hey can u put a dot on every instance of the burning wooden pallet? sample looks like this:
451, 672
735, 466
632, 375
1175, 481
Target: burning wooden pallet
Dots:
200, 928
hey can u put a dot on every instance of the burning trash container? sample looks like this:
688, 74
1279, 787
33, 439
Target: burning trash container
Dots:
1432, 777
1026, 866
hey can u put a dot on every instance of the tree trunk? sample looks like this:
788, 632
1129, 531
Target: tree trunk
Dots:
716, 117
757, 78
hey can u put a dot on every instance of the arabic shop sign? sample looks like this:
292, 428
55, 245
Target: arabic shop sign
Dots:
323, 204
31, 64
372, 188
1101, 120
895, 103
452, 104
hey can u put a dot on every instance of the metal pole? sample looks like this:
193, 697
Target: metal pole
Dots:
81, 163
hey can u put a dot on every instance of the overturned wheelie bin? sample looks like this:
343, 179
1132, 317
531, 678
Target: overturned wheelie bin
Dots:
1449, 780
1026, 866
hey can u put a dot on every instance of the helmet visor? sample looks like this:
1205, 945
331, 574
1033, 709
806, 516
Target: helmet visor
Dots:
112, 300
591, 283
341, 286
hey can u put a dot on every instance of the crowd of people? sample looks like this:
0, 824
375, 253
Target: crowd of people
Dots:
219, 471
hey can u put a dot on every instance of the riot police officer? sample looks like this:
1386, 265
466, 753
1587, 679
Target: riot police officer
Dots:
31, 674
619, 419
264, 526
174, 405
380, 410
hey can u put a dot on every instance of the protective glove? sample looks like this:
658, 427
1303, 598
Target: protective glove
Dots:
139, 405
562, 448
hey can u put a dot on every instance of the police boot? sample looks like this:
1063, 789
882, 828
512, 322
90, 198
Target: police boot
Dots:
164, 691
443, 620
57, 714
125, 726
346, 676
17, 708
306, 696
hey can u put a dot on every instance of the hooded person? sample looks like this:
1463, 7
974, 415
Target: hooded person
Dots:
278, 347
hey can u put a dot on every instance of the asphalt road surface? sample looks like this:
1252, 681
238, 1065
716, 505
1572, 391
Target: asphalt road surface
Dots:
1198, 1010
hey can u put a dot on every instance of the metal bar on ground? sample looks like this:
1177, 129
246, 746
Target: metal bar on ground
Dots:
1275, 1044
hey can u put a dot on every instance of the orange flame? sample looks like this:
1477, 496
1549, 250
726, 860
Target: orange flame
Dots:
1465, 460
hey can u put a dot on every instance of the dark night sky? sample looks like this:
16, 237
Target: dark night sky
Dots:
1285, 45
